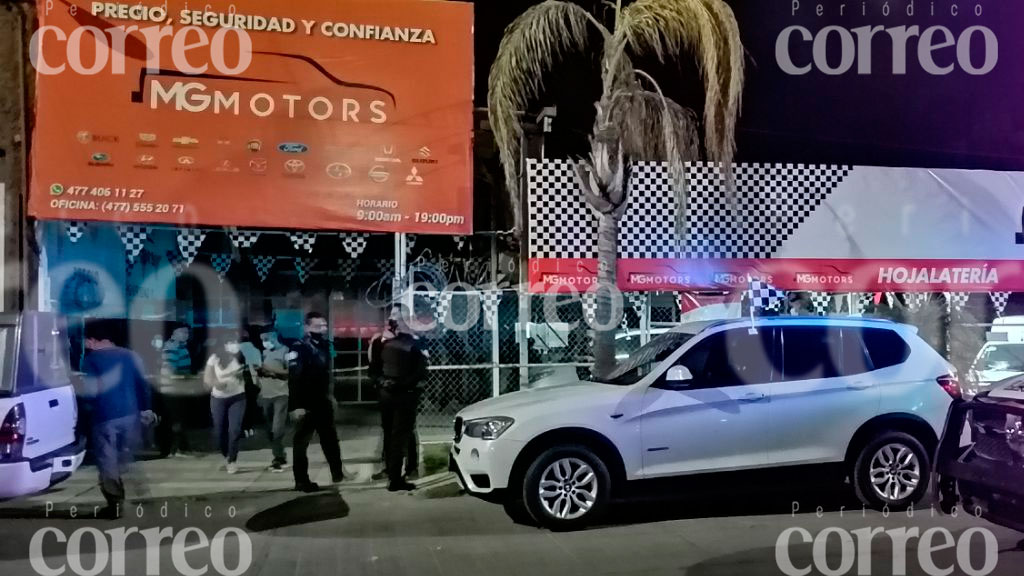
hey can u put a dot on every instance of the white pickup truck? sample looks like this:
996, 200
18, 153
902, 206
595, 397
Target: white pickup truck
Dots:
38, 410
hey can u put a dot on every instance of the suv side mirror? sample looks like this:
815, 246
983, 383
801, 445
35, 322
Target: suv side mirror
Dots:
678, 376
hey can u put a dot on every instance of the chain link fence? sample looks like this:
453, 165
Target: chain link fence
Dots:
480, 346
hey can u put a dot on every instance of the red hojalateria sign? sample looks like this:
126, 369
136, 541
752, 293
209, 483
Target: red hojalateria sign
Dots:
832, 275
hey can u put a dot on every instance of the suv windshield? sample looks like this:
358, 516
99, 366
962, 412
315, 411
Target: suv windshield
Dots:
1003, 357
641, 362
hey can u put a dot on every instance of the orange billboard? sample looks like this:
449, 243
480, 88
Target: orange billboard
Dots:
324, 115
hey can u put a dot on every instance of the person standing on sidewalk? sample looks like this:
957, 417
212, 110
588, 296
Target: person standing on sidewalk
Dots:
376, 371
117, 397
224, 378
176, 366
273, 399
309, 400
403, 366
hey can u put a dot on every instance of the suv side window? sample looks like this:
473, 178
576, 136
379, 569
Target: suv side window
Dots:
885, 347
732, 358
856, 359
811, 352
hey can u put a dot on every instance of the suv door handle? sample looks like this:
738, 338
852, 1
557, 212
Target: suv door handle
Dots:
860, 385
753, 397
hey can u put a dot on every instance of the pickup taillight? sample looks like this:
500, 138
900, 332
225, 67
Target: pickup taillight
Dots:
12, 433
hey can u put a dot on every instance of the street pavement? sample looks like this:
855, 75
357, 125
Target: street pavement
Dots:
353, 530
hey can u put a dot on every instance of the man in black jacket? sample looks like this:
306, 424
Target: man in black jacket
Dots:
309, 391
403, 368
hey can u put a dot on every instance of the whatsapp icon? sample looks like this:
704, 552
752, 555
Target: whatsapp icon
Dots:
56, 189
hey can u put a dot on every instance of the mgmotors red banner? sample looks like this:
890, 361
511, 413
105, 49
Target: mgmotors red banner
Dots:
319, 115
640, 274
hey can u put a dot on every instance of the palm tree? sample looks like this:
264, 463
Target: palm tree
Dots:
635, 121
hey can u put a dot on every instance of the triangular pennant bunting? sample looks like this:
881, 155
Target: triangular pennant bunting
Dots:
354, 243
822, 302
916, 300
243, 238
263, 265
957, 300
189, 241
303, 240
999, 299
75, 231
177, 261
864, 301
442, 304
589, 303
221, 263
133, 237
304, 266
490, 300
347, 269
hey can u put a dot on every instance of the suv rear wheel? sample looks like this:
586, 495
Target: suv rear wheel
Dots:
893, 470
567, 487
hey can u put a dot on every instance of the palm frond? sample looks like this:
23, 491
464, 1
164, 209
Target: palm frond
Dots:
656, 128
708, 29
531, 46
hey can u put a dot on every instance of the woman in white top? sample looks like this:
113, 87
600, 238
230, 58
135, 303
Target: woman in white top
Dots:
225, 378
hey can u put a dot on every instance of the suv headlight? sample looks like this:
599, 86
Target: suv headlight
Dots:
488, 428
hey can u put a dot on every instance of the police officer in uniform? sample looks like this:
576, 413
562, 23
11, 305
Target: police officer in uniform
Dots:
309, 386
403, 366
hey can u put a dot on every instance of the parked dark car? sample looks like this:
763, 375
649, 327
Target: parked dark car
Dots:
980, 462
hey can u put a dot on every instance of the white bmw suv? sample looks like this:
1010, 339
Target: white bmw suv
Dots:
868, 394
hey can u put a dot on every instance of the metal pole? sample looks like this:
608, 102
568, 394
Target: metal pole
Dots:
645, 319
495, 352
495, 331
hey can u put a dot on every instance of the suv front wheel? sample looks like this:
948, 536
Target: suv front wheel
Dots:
567, 487
893, 470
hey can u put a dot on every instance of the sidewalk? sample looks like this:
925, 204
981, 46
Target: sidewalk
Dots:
203, 474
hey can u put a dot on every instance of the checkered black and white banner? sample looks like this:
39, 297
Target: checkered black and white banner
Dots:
304, 266
303, 240
354, 243
764, 296
221, 263
75, 231
244, 238
263, 265
133, 237
347, 268
771, 202
189, 241
999, 300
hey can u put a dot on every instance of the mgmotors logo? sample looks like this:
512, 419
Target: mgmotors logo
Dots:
938, 50
89, 552
730, 279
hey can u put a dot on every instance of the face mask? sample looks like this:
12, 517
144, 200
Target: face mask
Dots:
231, 348
269, 344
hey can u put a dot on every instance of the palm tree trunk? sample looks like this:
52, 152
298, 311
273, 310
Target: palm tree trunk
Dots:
606, 316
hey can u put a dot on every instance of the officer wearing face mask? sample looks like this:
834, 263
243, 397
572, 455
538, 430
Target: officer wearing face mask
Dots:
309, 400
403, 368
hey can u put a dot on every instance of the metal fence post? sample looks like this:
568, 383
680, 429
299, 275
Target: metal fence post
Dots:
645, 319
495, 350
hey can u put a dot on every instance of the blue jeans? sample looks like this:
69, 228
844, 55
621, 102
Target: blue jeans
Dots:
275, 415
227, 424
114, 443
